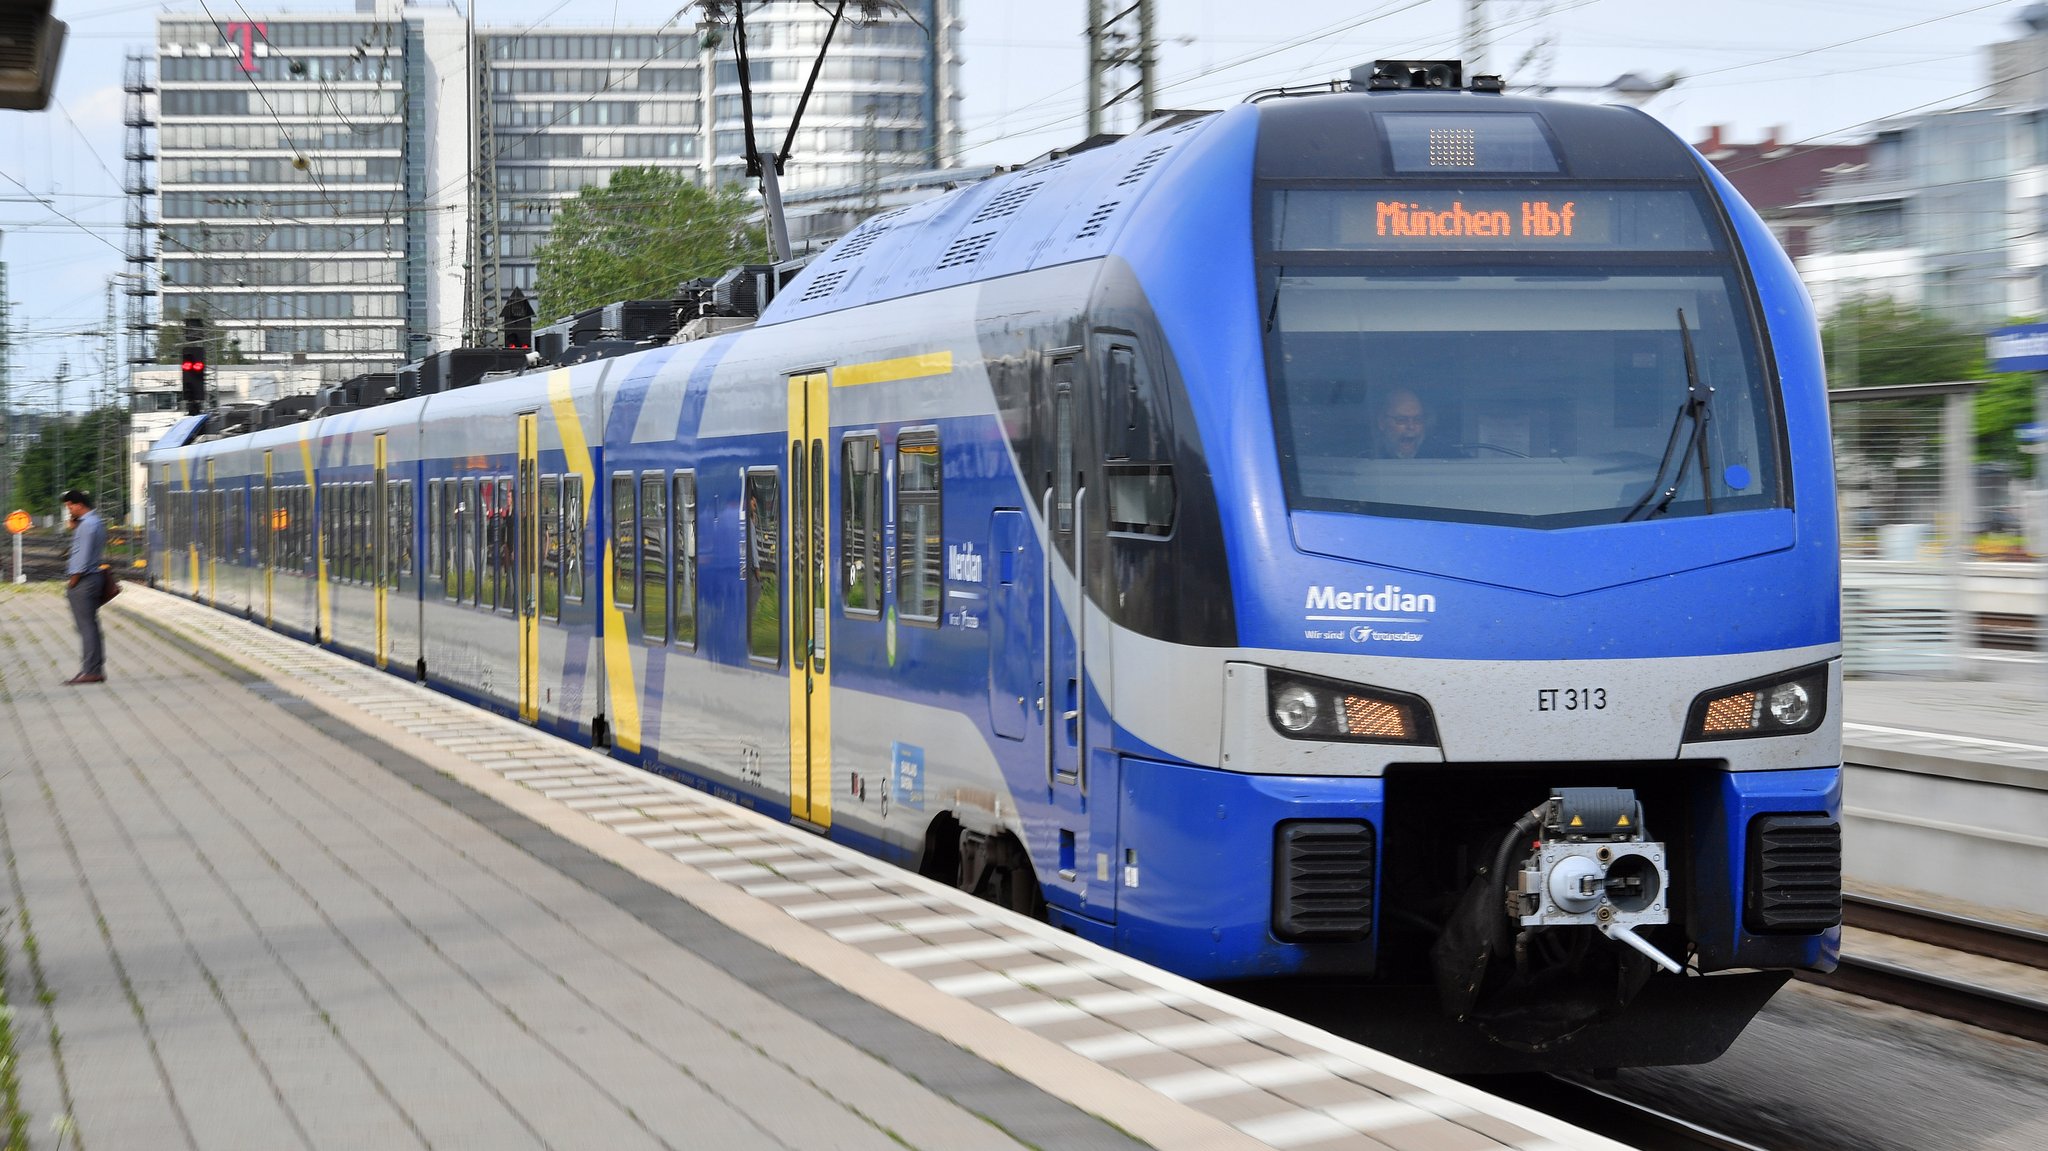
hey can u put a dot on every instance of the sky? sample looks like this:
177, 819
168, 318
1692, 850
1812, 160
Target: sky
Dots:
1810, 70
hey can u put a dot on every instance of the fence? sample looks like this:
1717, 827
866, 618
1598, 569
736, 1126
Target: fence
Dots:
1906, 495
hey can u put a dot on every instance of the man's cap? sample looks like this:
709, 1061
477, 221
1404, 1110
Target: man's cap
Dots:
75, 496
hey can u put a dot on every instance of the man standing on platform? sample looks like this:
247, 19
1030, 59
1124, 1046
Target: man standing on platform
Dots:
86, 583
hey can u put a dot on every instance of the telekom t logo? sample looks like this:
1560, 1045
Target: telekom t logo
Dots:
248, 34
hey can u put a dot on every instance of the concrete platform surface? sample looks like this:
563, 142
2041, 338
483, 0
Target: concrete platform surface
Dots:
1981, 721
259, 895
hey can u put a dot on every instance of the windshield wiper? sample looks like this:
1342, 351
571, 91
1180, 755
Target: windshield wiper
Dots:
1696, 409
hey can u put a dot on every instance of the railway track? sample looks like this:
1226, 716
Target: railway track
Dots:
1623, 1120
1994, 1009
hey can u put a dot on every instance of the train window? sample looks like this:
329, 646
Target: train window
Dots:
444, 553
357, 519
860, 516
483, 543
1141, 498
401, 531
1063, 447
379, 553
820, 583
683, 504
1140, 427
503, 564
434, 524
652, 536
347, 494
466, 515
331, 519
238, 525
359, 532
572, 539
1138, 445
366, 534
344, 532
478, 544
764, 565
920, 545
486, 542
800, 620
551, 547
1546, 396
623, 548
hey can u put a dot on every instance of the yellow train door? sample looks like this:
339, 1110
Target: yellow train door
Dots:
526, 578
810, 615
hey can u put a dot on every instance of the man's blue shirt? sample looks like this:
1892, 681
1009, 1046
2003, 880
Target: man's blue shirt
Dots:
88, 545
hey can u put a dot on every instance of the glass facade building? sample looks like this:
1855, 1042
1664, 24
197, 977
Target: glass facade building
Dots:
283, 208
356, 188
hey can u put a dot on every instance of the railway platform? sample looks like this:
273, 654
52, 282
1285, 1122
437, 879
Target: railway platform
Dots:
1946, 793
258, 895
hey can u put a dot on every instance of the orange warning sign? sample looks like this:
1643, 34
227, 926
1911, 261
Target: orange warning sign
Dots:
17, 521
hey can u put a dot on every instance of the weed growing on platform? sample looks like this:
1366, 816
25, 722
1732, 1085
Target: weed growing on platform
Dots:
44, 996
11, 1114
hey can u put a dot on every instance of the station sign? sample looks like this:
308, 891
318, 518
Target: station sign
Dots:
18, 521
2019, 348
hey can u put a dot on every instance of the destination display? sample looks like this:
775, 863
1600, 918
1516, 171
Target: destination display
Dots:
1551, 217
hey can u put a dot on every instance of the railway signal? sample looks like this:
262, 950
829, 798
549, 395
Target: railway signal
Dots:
517, 317
192, 360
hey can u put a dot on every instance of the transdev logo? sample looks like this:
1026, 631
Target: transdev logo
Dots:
1372, 598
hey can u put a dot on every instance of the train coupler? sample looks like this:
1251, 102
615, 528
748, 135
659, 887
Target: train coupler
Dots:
1594, 865
1581, 859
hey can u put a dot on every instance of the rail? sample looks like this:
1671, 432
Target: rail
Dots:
1991, 1008
1624, 1120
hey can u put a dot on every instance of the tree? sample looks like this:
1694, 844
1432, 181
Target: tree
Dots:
85, 450
221, 348
2004, 403
639, 236
1875, 341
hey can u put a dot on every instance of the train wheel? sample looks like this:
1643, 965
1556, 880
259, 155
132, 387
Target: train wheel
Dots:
999, 870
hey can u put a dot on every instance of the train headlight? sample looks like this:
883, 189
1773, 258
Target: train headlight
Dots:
1307, 708
1296, 709
1785, 704
1789, 704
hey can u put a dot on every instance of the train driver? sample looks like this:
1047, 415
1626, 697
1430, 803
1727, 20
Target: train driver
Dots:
1400, 431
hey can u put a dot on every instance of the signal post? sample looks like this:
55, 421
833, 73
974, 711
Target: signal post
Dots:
17, 523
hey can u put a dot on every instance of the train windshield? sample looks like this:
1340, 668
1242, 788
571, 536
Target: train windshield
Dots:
1535, 360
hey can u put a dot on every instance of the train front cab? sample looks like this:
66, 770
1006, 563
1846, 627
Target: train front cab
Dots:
1595, 578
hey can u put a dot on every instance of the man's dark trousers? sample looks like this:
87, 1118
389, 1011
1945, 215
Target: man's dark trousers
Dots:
85, 612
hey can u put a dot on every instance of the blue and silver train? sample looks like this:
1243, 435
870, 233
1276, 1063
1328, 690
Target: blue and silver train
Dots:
1349, 545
